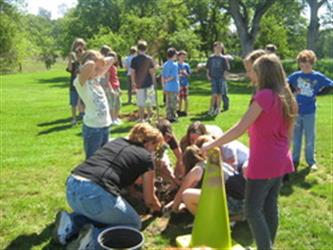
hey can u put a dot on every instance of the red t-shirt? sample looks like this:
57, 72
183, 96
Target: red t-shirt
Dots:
113, 78
270, 156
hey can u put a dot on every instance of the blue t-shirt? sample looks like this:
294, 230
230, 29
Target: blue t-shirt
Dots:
307, 86
183, 80
170, 69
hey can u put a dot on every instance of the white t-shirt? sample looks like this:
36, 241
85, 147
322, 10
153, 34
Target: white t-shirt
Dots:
237, 150
96, 106
128, 64
214, 130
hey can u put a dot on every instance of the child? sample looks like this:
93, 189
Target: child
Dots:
217, 64
164, 126
78, 48
115, 102
143, 81
104, 80
307, 84
127, 65
184, 71
171, 84
96, 120
269, 120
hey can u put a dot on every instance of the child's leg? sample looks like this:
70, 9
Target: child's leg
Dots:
271, 209
310, 134
225, 97
218, 102
256, 192
180, 103
190, 198
297, 144
186, 104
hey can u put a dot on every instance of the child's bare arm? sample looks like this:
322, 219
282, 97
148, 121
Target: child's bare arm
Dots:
86, 72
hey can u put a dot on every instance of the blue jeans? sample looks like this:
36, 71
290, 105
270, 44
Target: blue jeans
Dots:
93, 139
305, 124
261, 210
219, 86
92, 204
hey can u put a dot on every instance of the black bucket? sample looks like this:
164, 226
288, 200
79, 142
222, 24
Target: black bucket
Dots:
121, 237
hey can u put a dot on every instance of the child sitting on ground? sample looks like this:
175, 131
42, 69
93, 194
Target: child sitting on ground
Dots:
306, 84
190, 190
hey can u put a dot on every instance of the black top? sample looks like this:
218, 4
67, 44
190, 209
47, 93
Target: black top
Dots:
216, 66
142, 64
117, 165
173, 144
74, 71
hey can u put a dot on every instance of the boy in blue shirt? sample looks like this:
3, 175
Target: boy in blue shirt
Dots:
184, 71
306, 83
171, 84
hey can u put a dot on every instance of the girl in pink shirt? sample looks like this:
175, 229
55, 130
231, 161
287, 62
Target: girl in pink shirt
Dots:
269, 121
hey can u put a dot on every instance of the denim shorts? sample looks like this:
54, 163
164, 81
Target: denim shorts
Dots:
73, 97
219, 86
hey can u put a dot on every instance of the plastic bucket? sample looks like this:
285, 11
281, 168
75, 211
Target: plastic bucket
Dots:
121, 237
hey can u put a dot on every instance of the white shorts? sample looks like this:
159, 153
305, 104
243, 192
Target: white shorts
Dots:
145, 97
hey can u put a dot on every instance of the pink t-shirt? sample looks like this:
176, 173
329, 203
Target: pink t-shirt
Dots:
270, 156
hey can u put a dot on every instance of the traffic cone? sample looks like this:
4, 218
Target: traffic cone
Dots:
211, 224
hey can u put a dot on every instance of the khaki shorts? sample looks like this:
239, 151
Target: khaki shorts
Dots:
145, 97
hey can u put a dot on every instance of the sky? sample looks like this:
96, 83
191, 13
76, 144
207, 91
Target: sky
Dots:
50, 5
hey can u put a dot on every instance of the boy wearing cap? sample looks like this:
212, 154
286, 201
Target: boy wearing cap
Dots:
171, 84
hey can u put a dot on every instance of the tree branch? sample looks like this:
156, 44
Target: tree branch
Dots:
261, 9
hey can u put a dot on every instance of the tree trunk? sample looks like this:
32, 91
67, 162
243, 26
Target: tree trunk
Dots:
247, 30
313, 28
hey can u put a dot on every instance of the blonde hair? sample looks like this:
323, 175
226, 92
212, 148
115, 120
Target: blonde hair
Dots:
271, 75
254, 55
91, 55
144, 133
191, 157
77, 42
306, 56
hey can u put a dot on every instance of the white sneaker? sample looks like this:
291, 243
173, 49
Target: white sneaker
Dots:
313, 167
216, 111
118, 121
63, 228
211, 112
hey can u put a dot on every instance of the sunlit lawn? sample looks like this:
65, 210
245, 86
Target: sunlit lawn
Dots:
39, 147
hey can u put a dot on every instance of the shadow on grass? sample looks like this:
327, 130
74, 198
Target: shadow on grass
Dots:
29, 241
203, 116
182, 224
296, 179
56, 82
55, 129
59, 121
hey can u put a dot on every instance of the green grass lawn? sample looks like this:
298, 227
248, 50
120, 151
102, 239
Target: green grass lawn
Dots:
39, 148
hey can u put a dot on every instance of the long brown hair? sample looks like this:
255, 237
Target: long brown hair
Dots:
271, 75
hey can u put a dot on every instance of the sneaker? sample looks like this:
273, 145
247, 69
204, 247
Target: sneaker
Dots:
73, 122
211, 112
84, 240
216, 111
63, 228
118, 121
313, 167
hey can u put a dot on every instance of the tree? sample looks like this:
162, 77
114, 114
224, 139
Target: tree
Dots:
247, 24
313, 28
